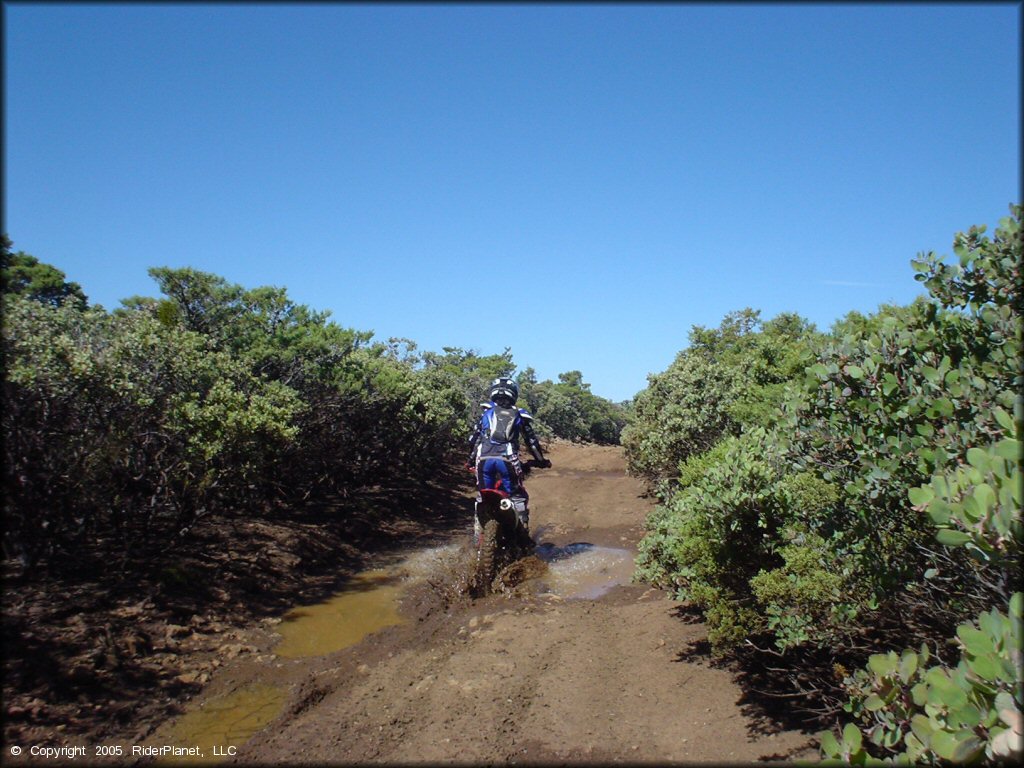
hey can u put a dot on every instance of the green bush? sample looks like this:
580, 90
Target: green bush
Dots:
879, 414
124, 428
977, 505
729, 378
922, 714
911, 711
791, 528
737, 540
119, 425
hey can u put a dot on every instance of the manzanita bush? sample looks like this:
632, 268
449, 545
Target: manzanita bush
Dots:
794, 531
915, 712
124, 428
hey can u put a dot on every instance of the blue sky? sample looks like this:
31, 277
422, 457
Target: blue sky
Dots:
580, 183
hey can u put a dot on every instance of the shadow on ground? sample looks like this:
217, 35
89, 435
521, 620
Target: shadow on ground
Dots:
91, 650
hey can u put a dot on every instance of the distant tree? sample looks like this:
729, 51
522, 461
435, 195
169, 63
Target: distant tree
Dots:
24, 275
574, 380
569, 410
471, 363
467, 371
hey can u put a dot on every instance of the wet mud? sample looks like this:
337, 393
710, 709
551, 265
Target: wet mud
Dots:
569, 661
224, 723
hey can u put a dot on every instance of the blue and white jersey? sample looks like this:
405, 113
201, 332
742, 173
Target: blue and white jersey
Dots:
499, 430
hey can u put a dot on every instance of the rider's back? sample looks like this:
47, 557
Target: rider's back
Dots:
500, 427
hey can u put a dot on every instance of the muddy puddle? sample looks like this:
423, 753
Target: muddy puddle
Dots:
221, 725
367, 603
370, 602
583, 571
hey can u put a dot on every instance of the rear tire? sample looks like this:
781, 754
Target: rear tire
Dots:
486, 559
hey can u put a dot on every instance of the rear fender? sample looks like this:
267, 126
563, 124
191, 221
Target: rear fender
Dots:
496, 505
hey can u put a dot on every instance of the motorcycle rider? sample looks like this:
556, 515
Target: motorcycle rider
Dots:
495, 449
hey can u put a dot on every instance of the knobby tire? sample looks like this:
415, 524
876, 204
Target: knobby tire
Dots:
487, 558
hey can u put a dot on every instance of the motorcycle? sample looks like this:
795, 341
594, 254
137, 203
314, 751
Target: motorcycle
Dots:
502, 537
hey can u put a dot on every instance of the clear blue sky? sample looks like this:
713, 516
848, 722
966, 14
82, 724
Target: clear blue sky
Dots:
580, 183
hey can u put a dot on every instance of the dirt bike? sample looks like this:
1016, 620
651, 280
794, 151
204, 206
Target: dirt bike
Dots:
503, 538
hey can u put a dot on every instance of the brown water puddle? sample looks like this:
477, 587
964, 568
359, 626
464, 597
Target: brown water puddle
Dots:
368, 602
223, 724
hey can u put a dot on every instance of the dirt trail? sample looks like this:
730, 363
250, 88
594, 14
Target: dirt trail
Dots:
529, 678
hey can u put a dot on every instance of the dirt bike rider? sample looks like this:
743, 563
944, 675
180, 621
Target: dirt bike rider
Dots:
495, 449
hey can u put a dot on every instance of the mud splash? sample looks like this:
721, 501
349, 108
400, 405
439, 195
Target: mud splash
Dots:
578, 571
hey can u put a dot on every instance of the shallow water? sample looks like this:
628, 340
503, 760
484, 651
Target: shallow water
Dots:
367, 603
225, 723
584, 571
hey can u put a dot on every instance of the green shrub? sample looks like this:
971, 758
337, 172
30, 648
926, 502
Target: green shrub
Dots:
22, 274
729, 378
977, 505
122, 429
913, 712
920, 713
880, 413
737, 540
797, 531
801, 597
119, 425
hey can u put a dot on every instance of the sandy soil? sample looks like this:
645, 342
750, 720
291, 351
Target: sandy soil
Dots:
525, 678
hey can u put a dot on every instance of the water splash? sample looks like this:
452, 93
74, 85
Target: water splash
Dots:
584, 571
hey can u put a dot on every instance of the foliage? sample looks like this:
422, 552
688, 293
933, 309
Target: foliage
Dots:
569, 410
978, 505
467, 371
879, 414
735, 541
729, 378
923, 714
913, 712
794, 531
124, 428
117, 427
24, 275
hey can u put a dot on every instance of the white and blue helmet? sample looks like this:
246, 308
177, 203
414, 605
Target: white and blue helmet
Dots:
504, 389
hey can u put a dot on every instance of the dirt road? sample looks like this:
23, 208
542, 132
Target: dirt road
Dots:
531, 677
